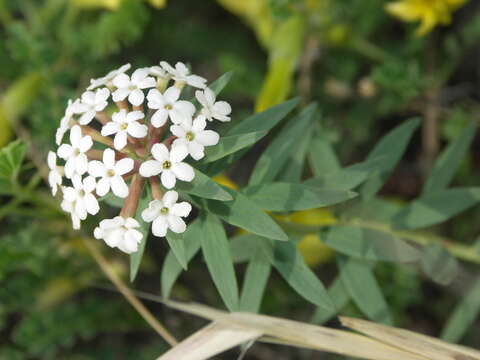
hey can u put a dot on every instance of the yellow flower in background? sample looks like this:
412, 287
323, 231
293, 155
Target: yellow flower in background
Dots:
113, 4
429, 12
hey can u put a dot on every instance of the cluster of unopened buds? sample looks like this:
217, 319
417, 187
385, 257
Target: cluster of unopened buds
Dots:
145, 136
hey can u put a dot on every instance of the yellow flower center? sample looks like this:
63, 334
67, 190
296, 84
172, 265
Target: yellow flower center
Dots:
190, 136
164, 211
168, 107
167, 165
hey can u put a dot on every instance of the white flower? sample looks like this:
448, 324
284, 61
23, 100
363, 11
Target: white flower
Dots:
90, 104
181, 74
213, 109
67, 122
132, 87
167, 214
168, 105
169, 164
158, 72
124, 124
194, 137
104, 81
74, 154
120, 232
79, 200
56, 172
111, 173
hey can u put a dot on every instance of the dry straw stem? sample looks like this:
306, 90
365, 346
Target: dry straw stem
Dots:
382, 343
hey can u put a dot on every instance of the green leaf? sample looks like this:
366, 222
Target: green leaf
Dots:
11, 158
435, 208
218, 85
439, 265
254, 283
172, 269
340, 298
360, 282
286, 258
349, 177
280, 196
244, 213
113, 200
177, 245
136, 258
203, 186
230, 144
216, 252
449, 161
243, 246
321, 156
370, 244
292, 171
392, 145
464, 315
277, 153
265, 120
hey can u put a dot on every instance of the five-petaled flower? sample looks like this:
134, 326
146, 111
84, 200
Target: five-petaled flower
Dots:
132, 87
74, 153
111, 173
55, 174
194, 137
169, 164
169, 106
213, 109
124, 124
120, 232
79, 200
107, 79
182, 76
91, 103
167, 214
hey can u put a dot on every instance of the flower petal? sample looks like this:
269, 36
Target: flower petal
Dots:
160, 226
168, 179
120, 94
181, 209
119, 187
136, 97
178, 153
178, 131
103, 186
85, 144
183, 171
110, 128
96, 168
176, 224
170, 198
120, 140
109, 158
171, 94
81, 164
150, 168
207, 137
121, 81
160, 152
137, 130
91, 204
65, 151
196, 150
152, 211
123, 166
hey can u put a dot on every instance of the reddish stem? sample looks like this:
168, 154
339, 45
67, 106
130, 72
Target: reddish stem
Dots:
157, 192
134, 192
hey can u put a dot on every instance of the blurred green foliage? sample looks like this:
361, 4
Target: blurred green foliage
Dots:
367, 71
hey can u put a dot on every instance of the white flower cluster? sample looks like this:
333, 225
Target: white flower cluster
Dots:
135, 110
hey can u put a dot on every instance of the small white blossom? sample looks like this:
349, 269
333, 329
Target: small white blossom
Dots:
55, 174
168, 105
194, 137
158, 72
111, 173
74, 153
132, 87
91, 103
169, 164
181, 74
167, 214
124, 124
120, 232
79, 200
107, 79
213, 109
67, 122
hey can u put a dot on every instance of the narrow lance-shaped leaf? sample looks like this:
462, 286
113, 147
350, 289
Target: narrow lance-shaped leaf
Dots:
244, 213
321, 156
278, 196
285, 257
203, 186
171, 268
277, 153
340, 297
439, 265
216, 252
136, 257
11, 158
177, 245
392, 145
370, 244
218, 85
435, 208
360, 282
449, 161
255, 282
464, 315
230, 144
